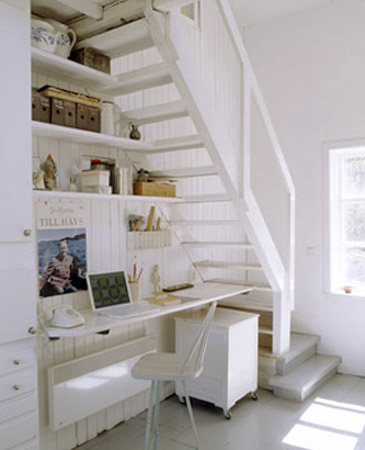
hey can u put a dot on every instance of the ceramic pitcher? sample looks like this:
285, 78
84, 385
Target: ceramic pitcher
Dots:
43, 35
65, 38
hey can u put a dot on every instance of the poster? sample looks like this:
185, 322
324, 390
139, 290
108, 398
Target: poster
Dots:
61, 240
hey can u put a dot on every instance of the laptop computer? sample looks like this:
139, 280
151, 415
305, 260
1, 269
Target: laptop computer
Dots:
110, 296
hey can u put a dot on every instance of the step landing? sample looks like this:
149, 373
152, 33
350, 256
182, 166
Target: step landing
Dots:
302, 347
305, 379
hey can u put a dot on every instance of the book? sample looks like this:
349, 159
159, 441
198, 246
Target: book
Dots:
164, 299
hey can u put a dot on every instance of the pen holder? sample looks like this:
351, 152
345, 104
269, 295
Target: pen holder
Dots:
134, 290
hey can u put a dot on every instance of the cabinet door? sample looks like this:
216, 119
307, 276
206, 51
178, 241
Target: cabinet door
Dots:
15, 128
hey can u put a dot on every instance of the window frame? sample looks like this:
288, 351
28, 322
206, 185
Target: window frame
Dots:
333, 205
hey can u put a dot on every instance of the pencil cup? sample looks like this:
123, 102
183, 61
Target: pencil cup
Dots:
134, 290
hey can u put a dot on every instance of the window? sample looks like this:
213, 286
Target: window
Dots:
347, 220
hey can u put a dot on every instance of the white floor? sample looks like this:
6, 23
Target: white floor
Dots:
331, 419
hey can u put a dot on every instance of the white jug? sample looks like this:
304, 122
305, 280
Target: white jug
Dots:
43, 35
65, 38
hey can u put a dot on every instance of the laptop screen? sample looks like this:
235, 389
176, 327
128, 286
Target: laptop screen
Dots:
108, 289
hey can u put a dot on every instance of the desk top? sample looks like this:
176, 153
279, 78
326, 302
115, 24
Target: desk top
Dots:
200, 295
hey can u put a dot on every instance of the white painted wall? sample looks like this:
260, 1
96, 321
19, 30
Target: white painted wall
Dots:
311, 69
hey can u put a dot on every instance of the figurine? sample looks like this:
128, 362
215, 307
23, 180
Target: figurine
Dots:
156, 280
135, 133
50, 173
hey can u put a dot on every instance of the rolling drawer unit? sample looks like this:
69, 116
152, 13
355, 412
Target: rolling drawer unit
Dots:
230, 362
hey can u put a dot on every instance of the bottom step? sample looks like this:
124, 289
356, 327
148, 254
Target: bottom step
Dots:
305, 379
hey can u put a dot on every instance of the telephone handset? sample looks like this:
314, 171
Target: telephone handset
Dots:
64, 316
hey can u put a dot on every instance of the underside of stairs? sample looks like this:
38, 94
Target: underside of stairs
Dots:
182, 114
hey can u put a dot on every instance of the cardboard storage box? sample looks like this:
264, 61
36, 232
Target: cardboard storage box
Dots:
87, 117
92, 58
57, 111
70, 113
41, 107
95, 178
154, 189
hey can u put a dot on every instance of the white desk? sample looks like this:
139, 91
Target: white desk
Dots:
200, 295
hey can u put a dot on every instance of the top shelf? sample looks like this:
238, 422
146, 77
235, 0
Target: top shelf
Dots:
56, 67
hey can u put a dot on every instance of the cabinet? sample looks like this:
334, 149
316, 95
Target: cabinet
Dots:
18, 393
230, 363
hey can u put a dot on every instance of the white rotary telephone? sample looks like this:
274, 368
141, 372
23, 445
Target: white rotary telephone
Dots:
64, 316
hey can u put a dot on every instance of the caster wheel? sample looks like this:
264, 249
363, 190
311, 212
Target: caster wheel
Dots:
182, 400
227, 415
254, 396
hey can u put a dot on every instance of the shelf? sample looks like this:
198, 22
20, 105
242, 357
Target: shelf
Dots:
61, 68
86, 195
51, 131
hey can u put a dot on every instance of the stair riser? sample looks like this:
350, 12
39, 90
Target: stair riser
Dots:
283, 368
300, 396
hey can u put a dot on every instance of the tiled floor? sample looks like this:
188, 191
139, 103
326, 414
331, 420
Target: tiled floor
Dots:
331, 419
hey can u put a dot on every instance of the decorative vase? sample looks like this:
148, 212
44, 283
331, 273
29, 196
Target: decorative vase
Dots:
135, 133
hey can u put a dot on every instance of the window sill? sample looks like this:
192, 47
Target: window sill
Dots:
342, 296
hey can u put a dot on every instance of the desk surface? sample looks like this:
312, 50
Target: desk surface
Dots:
200, 294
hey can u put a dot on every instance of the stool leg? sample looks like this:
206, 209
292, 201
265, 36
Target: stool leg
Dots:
191, 415
157, 411
149, 416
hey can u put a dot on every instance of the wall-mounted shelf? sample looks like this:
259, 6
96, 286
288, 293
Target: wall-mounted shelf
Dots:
56, 67
69, 134
139, 240
86, 195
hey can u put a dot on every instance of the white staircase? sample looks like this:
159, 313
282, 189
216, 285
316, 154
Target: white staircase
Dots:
301, 370
219, 221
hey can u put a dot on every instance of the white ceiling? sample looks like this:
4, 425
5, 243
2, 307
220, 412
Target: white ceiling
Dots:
250, 12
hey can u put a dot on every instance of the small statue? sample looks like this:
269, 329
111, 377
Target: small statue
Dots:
135, 133
156, 280
50, 173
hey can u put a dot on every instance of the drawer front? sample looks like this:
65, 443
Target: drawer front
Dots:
14, 358
18, 431
16, 384
18, 406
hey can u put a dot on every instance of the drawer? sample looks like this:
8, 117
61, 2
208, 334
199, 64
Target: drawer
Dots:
18, 406
16, 384
16, 358
17, 432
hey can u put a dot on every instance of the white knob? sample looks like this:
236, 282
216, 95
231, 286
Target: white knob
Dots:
16, 362
16, 387
32, 330
27, 232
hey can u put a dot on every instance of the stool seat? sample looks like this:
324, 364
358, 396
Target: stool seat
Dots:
164, 366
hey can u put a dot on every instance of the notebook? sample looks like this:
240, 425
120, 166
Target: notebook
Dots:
110, 296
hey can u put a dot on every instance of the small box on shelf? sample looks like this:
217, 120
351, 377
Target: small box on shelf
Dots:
154, 189
139, 240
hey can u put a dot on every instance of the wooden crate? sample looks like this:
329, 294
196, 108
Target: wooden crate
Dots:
154, 189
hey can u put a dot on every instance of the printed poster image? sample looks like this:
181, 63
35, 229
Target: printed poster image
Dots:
61, 260
61, 238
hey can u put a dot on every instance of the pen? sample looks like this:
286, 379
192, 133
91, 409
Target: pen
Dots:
140, 274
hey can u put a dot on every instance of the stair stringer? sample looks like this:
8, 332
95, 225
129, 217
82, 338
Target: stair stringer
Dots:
164, 29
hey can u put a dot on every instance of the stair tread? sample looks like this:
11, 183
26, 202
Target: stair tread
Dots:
139, 79
216, 243
206, 198
120, 41
205, 222
255, 285
307, 374
156, 113
299, 343
176, 144
210, 263
188, 172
